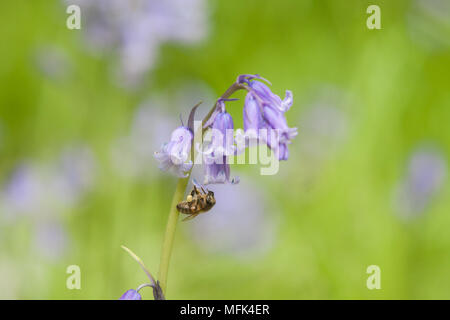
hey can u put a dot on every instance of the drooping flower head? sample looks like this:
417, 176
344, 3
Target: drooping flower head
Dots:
265, 110
217, 167
175, 155
131, 295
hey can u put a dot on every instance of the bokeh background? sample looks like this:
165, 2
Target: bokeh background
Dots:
82, 111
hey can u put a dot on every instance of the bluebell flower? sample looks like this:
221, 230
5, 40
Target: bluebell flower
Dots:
264, 116
427, 171
217, 167
253, 119
131, 295
175, 155
279, 135
271, 99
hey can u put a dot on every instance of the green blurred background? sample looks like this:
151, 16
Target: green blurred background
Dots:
365, 184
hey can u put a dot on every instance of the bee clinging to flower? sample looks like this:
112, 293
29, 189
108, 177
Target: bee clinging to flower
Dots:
198, 201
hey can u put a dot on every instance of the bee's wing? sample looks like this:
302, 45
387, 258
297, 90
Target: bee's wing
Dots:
192, 216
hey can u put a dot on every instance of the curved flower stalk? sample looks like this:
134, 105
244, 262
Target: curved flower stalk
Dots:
132, 294
263, 110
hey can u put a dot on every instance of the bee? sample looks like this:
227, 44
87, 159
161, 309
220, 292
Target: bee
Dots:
198, 201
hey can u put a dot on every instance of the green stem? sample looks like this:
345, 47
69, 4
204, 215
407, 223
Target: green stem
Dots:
170, 232
177, 197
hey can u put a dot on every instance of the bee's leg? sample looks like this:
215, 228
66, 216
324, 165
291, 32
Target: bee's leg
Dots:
203, 202
195, 191
192, 216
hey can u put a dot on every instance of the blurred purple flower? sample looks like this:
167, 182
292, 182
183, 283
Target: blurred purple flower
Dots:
239, 225
265, 110
76, 170
426, 174
51, 239
22, 193
52, 62
131, 295
47, 190
427, 23
134, 30
175, 155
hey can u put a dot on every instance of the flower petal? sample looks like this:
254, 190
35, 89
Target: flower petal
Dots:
131, 295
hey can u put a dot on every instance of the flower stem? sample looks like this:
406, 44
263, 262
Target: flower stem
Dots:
170, 232
177, 197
